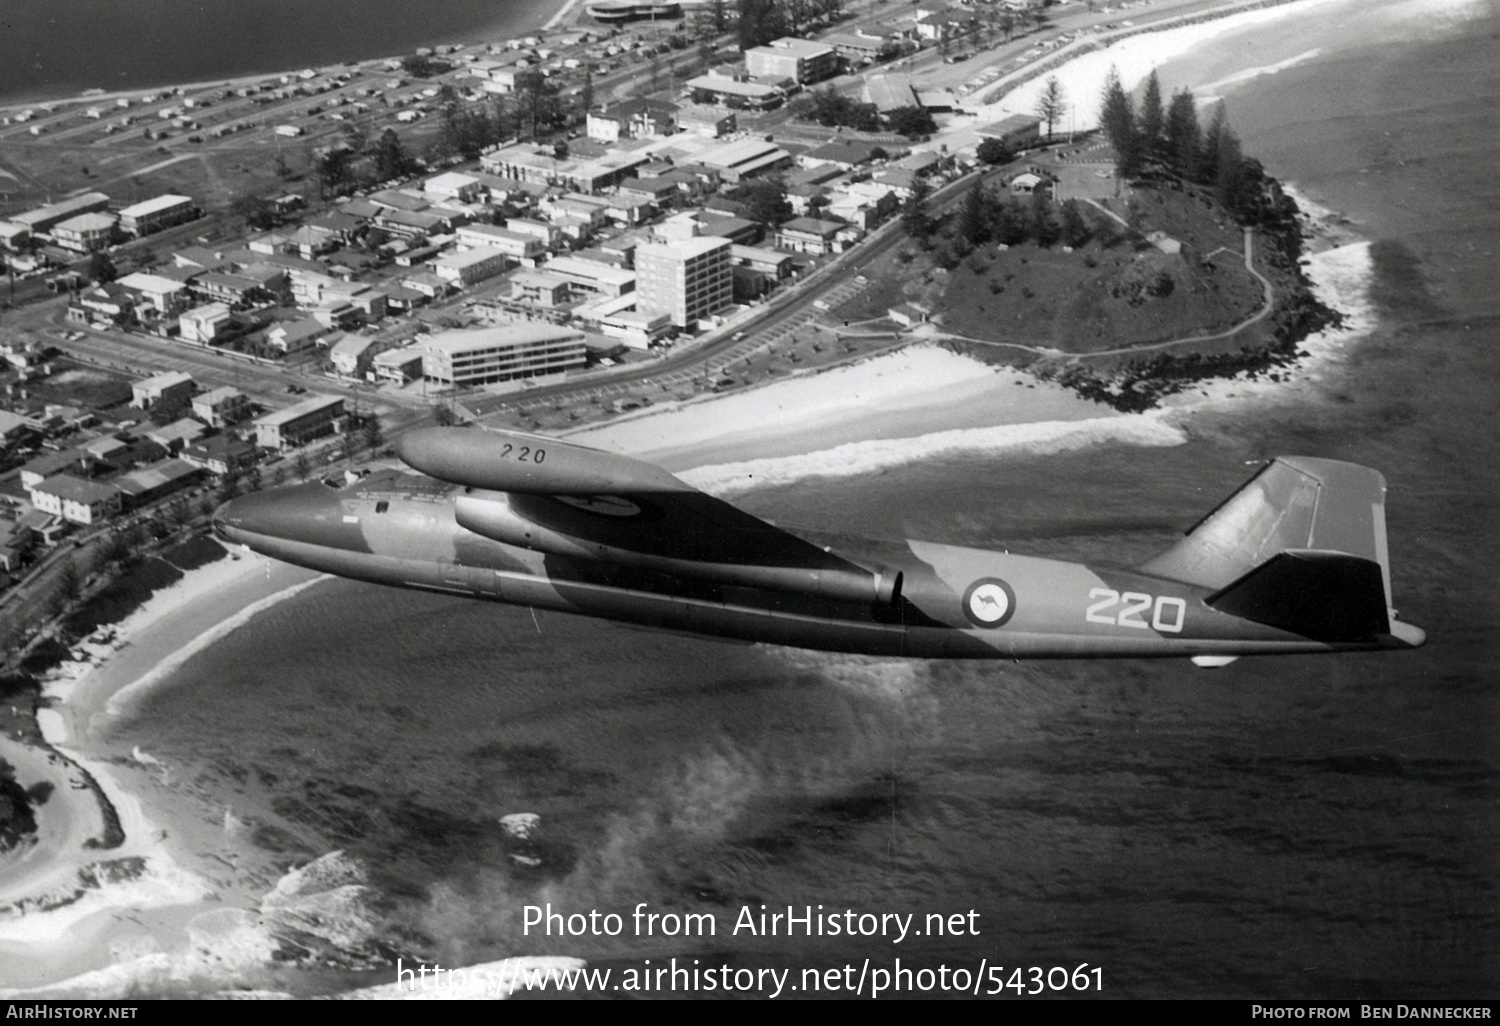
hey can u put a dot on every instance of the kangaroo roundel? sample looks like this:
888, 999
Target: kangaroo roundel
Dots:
989, 602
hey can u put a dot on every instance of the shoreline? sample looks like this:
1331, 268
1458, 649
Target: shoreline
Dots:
539, 21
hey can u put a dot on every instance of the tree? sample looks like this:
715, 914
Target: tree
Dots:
443, 415
374, 436
334, 170
1010, 223
760, 21
765, 200
102, 268
391, 159
1075, 228
914, 215
1052, 104
1208, 149
586, 91
1043, 226
301, 465
911, 121
993, 151
283, 169
974, 215
1151, 126
1182, 143
1117, 118
256, 212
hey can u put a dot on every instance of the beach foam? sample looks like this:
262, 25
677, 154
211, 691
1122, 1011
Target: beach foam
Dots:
856, 458
122, 701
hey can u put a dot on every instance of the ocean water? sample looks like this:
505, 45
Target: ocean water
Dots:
1301, 827
60, 47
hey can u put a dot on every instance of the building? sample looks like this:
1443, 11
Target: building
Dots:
204, 324
221, 454
165, 295
398, 365
174, 436
632, 119
167, 387
531, 162
592, 276
857, 47
801, 60
743, 158
453, 186
1018, 131
489, 355
351, 354
297, 425
518, 246
74, 499
85, 233
471, 266
156, 215
540, 288
889, 92
706, 121
43, 219
734, 93
767, 261
295, 336
151, 483
220, 407
808, 235
687, 279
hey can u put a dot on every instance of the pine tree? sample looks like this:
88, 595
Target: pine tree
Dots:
1117, 118
1043, 226
1052, 104
1208, 150
391, 160
914, 216
1151, 126
973, 216
1075, 228
1182, 134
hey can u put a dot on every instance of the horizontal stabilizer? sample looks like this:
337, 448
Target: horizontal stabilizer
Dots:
1329, 596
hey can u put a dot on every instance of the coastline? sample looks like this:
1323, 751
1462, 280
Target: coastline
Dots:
814, 417
537, 16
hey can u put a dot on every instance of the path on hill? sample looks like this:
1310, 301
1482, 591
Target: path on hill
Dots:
1267, 305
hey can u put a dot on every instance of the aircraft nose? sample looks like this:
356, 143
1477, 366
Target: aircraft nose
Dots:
309, 513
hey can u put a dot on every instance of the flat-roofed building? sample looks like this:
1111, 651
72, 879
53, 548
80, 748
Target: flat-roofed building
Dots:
687, 279
351, 354
540, 288
222, 406
156, 215
452, 185
770, 261
85, 233
801, 60
470, 266
630, 119
172, 437
489, 355
592, 276
204, 324
516, 245
74, 499
168, 386
398, 365
808, 235
530, 162
297, 425
706, 121
221, 454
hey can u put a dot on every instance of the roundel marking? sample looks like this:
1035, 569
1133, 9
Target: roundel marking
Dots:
603, 505
989, 602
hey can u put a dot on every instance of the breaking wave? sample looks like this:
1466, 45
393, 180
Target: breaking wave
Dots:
856, 458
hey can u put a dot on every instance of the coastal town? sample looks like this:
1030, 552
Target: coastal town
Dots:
472, 221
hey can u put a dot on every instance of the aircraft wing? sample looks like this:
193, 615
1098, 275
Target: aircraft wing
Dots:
570, 500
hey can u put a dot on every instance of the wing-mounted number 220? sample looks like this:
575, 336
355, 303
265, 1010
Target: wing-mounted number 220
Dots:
1130, 609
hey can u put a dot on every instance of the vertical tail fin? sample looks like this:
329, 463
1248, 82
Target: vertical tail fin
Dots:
1301, 546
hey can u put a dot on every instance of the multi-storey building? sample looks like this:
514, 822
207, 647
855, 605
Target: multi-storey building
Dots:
687, 279
488, 355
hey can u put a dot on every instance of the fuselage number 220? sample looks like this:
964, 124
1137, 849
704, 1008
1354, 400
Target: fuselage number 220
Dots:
1129, 609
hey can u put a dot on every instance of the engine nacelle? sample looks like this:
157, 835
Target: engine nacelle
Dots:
490, 515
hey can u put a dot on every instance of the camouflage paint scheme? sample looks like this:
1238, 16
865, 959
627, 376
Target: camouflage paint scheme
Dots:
1292, 563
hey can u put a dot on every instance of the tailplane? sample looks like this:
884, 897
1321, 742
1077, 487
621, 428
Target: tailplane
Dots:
1300, 547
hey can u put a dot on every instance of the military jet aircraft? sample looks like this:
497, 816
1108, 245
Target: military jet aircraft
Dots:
1293, 562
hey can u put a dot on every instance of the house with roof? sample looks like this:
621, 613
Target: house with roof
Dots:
164, 295
809, 235
204, 324
295, 336
1018, 131
139, 487
221, 455
172, 437
74, 499
634, 118
167, 387
351, 355
222, 406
